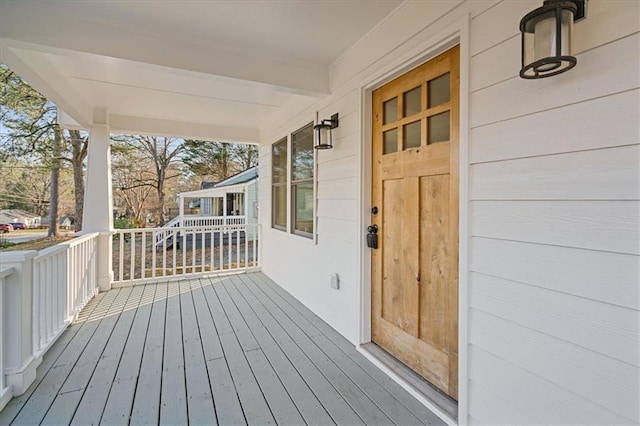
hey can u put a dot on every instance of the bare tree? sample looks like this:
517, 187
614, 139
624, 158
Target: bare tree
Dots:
164, 153
133, 182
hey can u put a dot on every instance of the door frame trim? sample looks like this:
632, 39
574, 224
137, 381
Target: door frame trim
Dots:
455, 34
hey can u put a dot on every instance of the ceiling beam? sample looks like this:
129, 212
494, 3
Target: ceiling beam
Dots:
181, 129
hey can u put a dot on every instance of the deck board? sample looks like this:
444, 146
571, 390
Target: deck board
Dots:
292, 306
234, 349
199, 399
64, 406
15, 405
367, 410
332, 401
120, 399
38, 404
173, 403
254, 405
278, 399
146, 404
91, 406
309, 407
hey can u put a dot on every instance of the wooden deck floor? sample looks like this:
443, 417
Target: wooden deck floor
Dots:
223, 350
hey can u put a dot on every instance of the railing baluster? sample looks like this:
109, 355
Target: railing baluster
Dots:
132, 241
154, 253
229, 247
184, 251
164, 253
175, 248
143, 257
237, 248
194, 247
246, 247
121, 256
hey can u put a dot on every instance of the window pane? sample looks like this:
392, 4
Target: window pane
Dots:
439, 90
279, 161
303, 207
390, 111
279, 205
302, 153
390, 141
411, 135
412, 104
438, 127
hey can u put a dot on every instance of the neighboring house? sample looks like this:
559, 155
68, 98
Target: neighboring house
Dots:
236, 195
64, 222
507, 263
20, 216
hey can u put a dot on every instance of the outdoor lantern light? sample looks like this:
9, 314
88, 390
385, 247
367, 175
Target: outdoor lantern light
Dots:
324, 138
546, 38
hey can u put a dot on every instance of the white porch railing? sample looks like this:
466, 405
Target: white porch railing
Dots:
40, 294
157, 253
213, 220
200, 221
64, 280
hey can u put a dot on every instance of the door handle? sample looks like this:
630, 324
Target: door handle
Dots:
372, 236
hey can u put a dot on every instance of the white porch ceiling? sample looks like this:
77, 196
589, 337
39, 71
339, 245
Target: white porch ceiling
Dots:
209, 69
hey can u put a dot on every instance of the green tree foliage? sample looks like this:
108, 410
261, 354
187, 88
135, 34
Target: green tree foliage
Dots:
30, 130
218, 160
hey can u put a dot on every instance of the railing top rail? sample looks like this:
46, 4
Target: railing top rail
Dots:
66, 245
6, 272
189, 228
81, 239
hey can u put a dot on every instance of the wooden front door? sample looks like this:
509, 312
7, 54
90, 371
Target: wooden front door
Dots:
415, 190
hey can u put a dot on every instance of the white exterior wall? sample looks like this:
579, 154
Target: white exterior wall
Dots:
550, 210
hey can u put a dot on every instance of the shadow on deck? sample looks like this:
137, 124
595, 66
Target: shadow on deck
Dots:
231, 349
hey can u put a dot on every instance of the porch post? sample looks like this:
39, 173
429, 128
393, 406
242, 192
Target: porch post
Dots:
17, 321
98, 200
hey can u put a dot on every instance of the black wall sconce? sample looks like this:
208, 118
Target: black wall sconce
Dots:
546, 38
324, 137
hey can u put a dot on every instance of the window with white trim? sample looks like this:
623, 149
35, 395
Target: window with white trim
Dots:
292, 181
302, 197
279, 173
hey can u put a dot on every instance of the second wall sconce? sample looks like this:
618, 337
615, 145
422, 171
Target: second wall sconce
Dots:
546, 38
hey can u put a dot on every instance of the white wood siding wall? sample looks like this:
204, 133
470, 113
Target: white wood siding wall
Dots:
554, 199
302, 265
554, 207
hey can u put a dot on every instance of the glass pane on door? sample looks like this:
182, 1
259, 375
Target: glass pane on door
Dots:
411, 135
390, 141
412, 101
390, 111
438, 90
438, 127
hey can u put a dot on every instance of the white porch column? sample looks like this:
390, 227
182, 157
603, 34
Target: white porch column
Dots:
98, 200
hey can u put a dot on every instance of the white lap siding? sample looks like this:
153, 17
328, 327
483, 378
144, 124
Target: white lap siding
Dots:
555, 229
